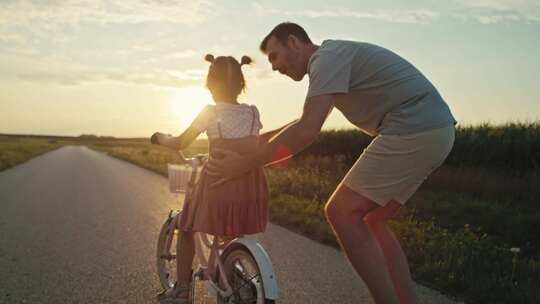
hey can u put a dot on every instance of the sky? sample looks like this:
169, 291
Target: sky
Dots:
132, 67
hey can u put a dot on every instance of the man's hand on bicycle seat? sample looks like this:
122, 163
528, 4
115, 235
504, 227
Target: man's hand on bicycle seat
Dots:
229, 166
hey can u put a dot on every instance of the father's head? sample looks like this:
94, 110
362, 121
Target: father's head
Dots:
288, 48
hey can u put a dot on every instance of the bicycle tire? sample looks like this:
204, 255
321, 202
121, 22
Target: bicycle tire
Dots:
244, 276
166, 254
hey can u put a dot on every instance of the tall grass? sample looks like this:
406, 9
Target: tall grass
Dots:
462, 259
496, 163
16, 150
510, 149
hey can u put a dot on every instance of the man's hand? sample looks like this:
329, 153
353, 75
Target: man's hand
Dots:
228, 167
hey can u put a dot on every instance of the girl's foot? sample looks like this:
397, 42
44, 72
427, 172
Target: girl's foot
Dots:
178, 294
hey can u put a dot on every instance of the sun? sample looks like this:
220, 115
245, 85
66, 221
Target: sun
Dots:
188, 102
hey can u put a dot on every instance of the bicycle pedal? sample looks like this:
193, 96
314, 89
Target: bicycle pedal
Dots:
199, 274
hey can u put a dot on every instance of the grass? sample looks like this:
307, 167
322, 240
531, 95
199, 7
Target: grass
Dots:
16, 150
454, 242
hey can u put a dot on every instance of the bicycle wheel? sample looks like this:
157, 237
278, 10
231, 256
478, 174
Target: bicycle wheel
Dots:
166, 254
244, 277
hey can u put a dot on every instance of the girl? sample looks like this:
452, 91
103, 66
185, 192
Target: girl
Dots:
232, 208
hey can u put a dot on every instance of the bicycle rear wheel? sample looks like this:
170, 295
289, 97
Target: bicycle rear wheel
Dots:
244, 277
166, 254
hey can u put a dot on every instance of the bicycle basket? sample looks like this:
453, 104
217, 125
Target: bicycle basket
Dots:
179, 177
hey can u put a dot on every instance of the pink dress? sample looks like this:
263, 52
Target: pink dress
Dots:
239, 206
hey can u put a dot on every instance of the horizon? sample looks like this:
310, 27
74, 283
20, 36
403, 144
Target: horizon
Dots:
350, 128
125, 69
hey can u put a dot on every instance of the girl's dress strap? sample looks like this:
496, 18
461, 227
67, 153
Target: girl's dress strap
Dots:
218, 120
252, 120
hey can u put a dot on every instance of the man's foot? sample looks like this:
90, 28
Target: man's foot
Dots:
178, 294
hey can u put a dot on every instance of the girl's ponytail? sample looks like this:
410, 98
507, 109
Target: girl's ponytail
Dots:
209, 58
245, 60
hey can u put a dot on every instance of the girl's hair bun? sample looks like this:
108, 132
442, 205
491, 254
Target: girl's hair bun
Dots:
209, 57
245, 60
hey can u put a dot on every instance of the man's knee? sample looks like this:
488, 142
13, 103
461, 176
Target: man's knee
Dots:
345, 206
381, 215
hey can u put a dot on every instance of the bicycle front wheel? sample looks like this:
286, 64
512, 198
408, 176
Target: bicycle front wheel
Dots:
244, 277
166, 254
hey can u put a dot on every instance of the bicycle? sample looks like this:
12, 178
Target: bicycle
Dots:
235, 270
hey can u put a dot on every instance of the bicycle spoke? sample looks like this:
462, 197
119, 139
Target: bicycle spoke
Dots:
246, 282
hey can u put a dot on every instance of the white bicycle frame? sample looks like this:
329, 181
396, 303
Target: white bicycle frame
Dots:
208, 265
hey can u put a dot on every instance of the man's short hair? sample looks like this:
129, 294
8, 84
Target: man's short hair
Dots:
282, 32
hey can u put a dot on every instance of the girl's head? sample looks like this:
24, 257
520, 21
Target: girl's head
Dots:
225, 79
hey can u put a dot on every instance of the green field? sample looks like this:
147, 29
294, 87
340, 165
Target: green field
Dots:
18, 149
457, 230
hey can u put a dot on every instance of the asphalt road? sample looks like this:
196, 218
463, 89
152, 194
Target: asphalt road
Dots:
77, 226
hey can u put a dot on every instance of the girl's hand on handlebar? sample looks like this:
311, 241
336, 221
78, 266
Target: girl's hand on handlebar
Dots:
157, 138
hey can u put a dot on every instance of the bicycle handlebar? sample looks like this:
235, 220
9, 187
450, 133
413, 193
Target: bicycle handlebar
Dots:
196, 160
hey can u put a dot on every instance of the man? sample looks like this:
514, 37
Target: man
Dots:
386, 97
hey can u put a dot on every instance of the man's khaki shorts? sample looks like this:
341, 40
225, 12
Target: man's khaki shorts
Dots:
392, 167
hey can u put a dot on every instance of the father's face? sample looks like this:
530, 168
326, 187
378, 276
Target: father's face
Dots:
285, 59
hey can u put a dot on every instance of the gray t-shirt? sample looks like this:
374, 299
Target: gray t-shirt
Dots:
375, 89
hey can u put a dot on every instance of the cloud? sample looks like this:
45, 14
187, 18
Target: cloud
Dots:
51, 14
185, 54
55, 71
483, 11
496, 11
48, 37
46, 24
74, 77
422, 16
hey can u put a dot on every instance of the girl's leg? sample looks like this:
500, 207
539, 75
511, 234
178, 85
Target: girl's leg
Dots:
185, 251
395, 258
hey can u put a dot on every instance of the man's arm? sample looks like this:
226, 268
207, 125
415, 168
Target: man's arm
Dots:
265, 137
289, 140
297, 135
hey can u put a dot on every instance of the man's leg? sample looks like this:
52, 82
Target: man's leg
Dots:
396, 260
345, 212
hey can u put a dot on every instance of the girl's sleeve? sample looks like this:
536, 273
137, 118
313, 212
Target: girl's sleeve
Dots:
203, 118
258, 123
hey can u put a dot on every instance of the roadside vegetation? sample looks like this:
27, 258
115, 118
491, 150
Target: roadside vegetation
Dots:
18, 149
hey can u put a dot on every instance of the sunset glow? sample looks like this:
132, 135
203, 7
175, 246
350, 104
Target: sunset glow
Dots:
130, 68
188, 102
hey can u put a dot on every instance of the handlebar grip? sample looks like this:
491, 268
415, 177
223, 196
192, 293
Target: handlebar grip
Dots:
153, 139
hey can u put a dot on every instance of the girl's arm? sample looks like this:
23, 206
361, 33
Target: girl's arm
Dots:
190, 134
180, 142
